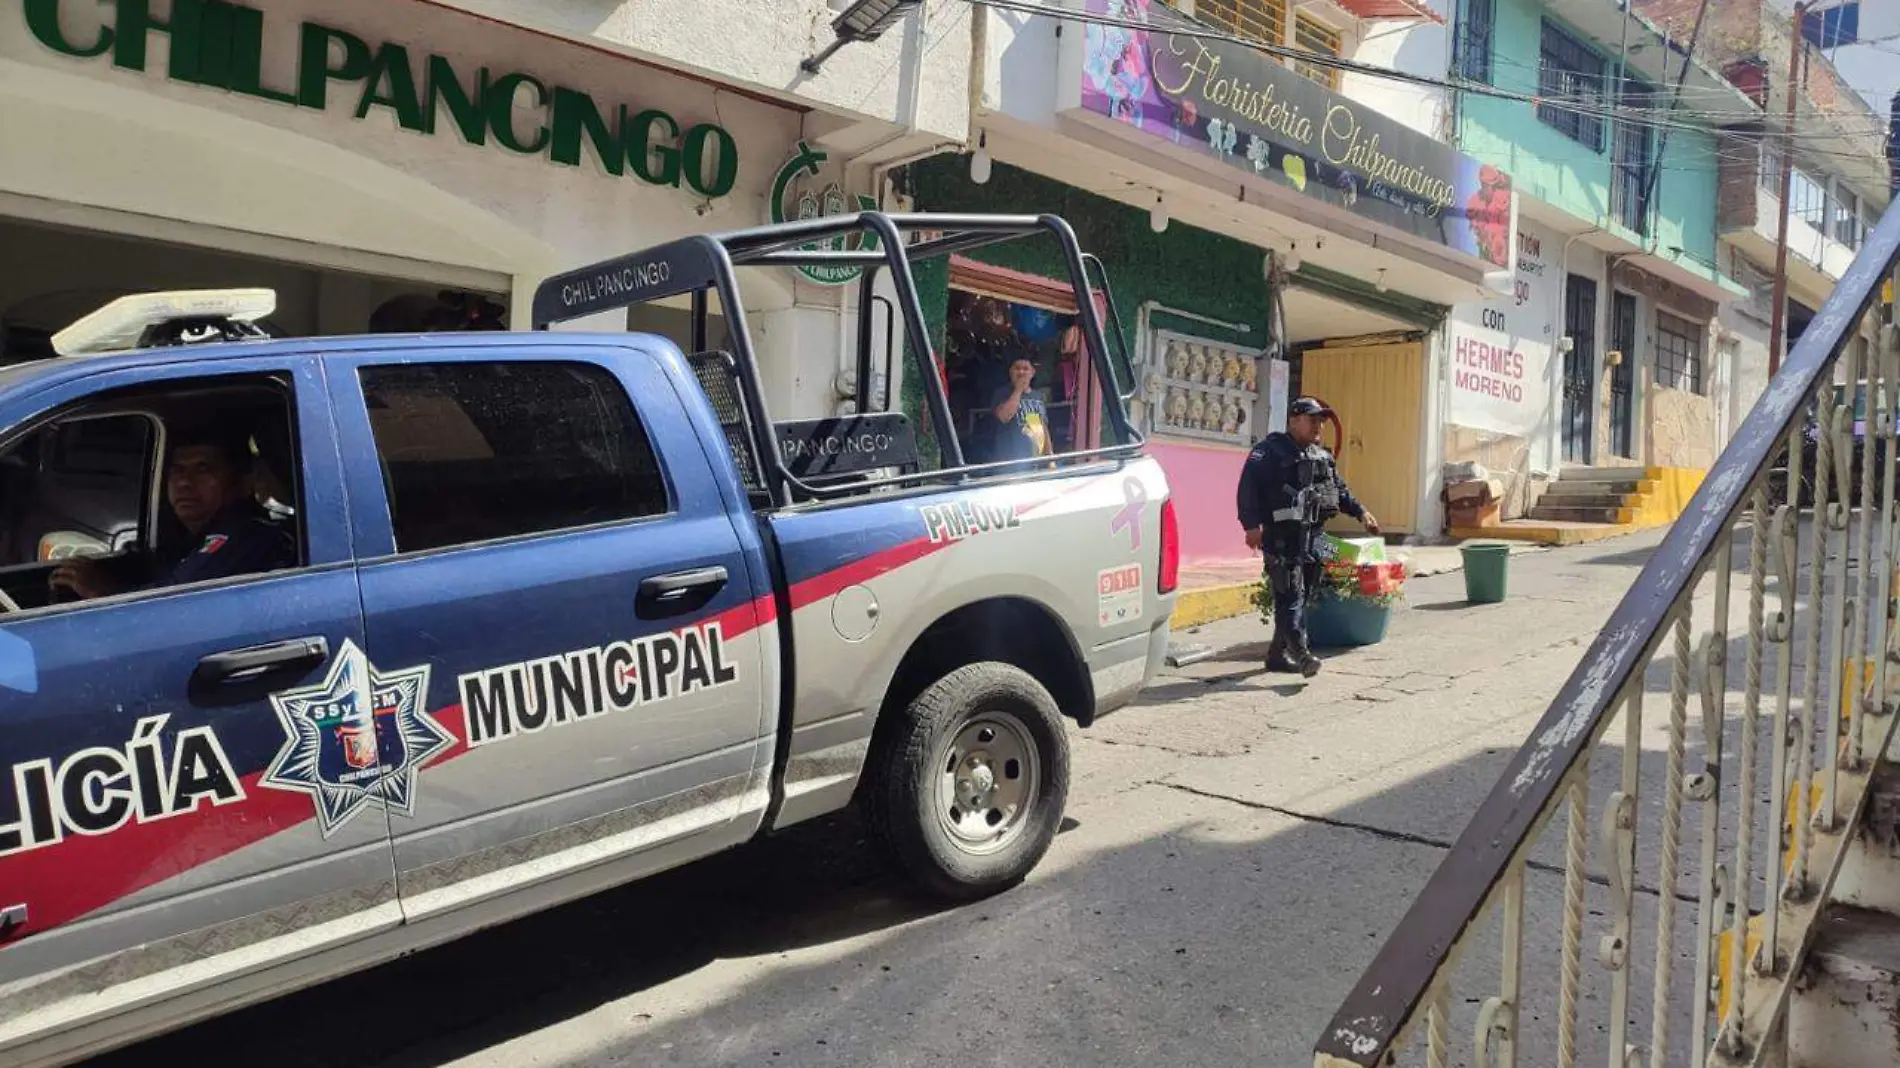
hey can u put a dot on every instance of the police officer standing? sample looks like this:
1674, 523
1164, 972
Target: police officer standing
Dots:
1289, 488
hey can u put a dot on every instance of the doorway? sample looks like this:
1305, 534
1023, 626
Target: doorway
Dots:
1378, 391
1580, 325
1623, 375
996, 317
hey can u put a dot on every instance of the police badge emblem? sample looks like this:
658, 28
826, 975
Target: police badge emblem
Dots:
357, 738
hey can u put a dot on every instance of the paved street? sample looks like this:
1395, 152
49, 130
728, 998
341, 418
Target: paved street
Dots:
1238, 847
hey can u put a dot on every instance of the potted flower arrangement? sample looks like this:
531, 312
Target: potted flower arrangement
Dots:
1351, 606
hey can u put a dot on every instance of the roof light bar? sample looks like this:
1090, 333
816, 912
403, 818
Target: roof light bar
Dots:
131, 322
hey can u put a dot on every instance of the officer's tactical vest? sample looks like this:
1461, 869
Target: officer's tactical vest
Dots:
1318, 489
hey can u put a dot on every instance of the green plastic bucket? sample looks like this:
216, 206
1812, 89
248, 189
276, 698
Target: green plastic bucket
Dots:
1485, 568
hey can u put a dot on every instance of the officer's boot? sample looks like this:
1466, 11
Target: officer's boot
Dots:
1277, 658
1302, 656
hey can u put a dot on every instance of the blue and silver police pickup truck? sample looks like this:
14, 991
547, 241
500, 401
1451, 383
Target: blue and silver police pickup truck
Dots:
405, 636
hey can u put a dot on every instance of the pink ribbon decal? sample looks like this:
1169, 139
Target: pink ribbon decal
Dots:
1135, 496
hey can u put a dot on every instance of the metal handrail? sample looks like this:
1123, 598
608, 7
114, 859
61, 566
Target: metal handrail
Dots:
1409, 967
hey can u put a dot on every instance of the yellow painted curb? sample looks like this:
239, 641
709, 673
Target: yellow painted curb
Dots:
1544, 535
1209, 603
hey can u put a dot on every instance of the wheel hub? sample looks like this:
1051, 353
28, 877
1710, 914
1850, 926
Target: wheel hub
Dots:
991, 775
977, 783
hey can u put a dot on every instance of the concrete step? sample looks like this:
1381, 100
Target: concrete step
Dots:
1848, 1014
1588, 500
1564, 514
1605, 474
1594, 488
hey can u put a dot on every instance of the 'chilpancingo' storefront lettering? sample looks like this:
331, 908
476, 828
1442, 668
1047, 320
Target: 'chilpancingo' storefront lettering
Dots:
220, 45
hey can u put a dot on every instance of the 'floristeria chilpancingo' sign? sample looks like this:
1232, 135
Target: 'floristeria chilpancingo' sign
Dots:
1251, 113
220, 45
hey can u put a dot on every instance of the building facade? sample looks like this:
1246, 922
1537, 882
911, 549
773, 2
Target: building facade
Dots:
408, 165
1612, 137
1835, 161
1267, 234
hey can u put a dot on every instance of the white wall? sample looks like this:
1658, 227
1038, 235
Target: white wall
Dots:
759, 45
1502, 369
1020, 72
1746, 320
1413, 47
1747, 370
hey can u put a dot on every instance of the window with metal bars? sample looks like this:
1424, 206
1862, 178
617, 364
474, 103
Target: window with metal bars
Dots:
1256, 20
1631, 157
1315, 36
1474, 40
1678, 353
1570, 72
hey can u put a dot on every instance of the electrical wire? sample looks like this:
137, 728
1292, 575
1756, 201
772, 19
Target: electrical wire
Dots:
1700, 161
1186, 28
1589, 104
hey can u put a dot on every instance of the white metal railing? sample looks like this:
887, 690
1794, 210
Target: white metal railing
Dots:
1643, 883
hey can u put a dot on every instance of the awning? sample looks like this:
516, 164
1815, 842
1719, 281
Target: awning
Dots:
1391, 9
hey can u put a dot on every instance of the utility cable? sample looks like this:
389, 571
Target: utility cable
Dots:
1180, 26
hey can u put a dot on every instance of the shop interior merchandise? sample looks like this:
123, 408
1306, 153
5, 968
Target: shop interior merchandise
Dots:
987, 334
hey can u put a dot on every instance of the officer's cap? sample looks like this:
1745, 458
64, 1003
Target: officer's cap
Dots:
1307, 406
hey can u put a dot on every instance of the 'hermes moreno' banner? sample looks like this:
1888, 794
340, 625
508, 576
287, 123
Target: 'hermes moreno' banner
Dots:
1253, 113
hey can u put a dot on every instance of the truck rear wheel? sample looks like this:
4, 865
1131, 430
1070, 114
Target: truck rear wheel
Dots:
967, 793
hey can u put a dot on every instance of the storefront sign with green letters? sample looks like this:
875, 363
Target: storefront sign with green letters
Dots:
220, 45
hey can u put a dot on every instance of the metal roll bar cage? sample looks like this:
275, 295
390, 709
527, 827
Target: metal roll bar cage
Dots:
705, 263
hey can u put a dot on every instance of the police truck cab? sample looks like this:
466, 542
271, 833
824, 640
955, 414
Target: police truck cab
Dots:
553, 611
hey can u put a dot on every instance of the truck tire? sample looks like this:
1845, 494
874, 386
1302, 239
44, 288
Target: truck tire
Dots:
967, 792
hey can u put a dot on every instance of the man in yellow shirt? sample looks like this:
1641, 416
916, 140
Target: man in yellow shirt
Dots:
1023, 430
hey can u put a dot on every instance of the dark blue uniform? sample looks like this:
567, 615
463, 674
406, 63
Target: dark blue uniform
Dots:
1290, 493
241, 540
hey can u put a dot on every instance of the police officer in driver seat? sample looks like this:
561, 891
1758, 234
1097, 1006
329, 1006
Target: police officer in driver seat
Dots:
1289, 488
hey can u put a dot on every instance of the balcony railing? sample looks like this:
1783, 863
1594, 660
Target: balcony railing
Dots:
1644, 881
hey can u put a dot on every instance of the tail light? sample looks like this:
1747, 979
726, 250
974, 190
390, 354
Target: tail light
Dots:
1170, 570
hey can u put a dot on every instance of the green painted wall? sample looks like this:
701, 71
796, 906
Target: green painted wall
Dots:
1551, 167
1183, 267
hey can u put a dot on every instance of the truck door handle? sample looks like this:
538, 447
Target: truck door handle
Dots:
238, 664
668, 588
11, 917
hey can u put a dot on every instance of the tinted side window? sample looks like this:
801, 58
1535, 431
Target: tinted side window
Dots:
477, 451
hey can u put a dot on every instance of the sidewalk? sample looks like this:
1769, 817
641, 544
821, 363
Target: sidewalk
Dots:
1220, 590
